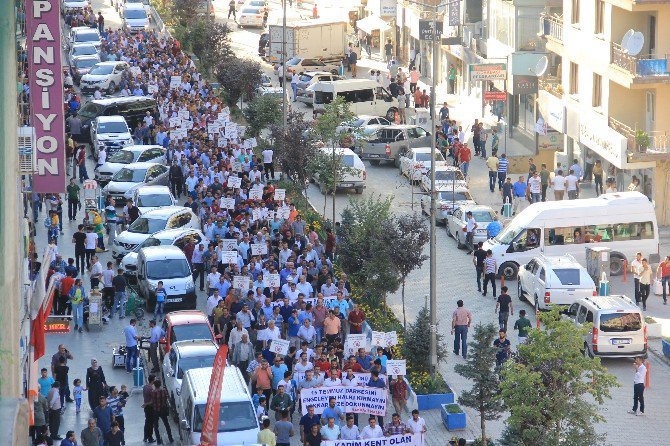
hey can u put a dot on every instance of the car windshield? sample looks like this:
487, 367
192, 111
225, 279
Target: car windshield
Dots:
168, 269
357, 123
90, 110
421, 156
305, 78
112, 127
145, 225
187, 332
87, 37
130, 175
154, 200
233, 416
620, 322
482, 216
568, 276
293, 61
507, 235
454, 196
85, 63
122, 157
448, 175
196, 362
347, 160
151, 241
136, 14
84, 50
251, 11
102, 69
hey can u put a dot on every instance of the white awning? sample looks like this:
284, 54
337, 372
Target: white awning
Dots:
371, 23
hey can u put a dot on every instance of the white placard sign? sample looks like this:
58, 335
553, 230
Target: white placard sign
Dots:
235, 182
178, 133
184, 115
187, 124
229, 244
228, 257
237, 166
404, 439
363, 377
152, 88
242, 283
224, 115
247, 144
279, 346
175, 122
259, 249
213, 128
228, 203
284, 212
175, 82
256, 214
273, 280
391, 338
381, 339
256, 194
369, 400
280, 194
396, 367
354, 342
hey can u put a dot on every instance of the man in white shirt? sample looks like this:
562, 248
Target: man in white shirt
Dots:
636, 269
268, 166
572, 185
305, 287
270, 333
213, 279
535, 186
236, 334
306, 332
303, 365
95, 271
638, 386
350, 431
372, 430
558, 184
212, 302
332, 380
416, 424
329, 288
102, 157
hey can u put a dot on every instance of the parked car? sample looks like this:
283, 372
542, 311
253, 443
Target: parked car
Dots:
299, 64
125, 181
251, 17
74, 5
147, 198
82, 49
448, 199
307, 78
618, 327
416, 162
105, 76
135, 17
133, 108
79, 66
354, 178
85, 34
362, 122
128, 155
483, 215
444, 176
185, 325
167, 264
261, 4
548, 281
110, 132
389, 143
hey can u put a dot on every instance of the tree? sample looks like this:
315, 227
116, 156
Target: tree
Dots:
238, 77
545, 388
329, 171
416, 348
484, 396
184, 12
410, 236
210, 42
261, 113
293, 147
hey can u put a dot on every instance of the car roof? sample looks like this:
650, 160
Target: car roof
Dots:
184, 317
163, 252
77, 29
609, 303
164, 211
449, 188
109, 101
445, 167
313, 73
561, 261
194, 347
149, 190
233, 386
476, 207
113, 118
421, 150
79, 44
134, 6
400, 126
174, 233
141, 165
135, 148
86, 57
112, 63
338, 150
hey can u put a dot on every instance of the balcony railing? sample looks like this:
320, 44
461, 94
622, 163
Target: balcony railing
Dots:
551, 84
551, 26
659, 140
644, 65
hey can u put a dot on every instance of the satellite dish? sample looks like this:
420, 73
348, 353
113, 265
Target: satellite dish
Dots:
626, 38
541, 66
632, 42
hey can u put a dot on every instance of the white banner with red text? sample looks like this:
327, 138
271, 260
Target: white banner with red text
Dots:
370, 400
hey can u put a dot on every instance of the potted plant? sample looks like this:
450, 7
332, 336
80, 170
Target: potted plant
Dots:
642, 140
431, 390
666, 346
453, 417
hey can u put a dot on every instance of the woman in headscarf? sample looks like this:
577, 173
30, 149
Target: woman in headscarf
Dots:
95, 383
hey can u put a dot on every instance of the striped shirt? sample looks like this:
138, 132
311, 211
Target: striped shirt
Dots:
489, 265
502, 165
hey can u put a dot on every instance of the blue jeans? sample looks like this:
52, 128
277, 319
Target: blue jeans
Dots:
535, 197
461, 339
159, 311
78, 314
665, 280
120, 301
83, 175
131, 358
464, 168
294, 87
319, 333
501, 179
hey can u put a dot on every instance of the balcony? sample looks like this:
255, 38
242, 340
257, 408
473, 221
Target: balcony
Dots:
644, 68
551, 84
551, 26
659, 142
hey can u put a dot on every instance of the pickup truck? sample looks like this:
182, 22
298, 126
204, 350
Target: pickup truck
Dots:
389, 143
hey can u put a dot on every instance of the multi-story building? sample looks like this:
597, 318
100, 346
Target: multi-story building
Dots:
605, 87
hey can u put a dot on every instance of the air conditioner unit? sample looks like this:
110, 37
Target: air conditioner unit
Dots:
26, 144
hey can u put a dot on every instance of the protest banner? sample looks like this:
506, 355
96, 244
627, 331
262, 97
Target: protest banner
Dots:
279, 346
256, 214
368, 400
354, 342
363, 377
175, 82
391, 338
381, 339
259, 249
396, 367
273, 280
404, 439
280, 194
242, 283
284, 212
228, 203
235, 182
184, 115
256, 193
213, 128
152, 88
228, 257
229, 244
175, 122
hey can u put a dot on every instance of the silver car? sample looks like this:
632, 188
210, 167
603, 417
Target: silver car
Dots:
126, 156
483, 215
448, 199
125, 181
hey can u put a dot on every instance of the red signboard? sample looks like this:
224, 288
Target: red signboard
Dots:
210, 422
495, 96
57, 325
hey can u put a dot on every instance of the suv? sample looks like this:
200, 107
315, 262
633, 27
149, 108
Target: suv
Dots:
112, 132
105, 76
85, 34
307, 78
133, 108
547, 281
391, 142
129, 155
618, 330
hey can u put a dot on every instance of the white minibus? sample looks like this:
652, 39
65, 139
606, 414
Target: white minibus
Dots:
365, 97
625, 222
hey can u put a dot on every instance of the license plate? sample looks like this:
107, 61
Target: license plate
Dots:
620, 341
373, 155
481, 231
174, 300
346, 185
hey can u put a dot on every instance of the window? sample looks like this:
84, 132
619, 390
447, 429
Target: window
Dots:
597, 90
567, 276
543, 275
599, 233
168, 269
581, 316
620, 322
599, 27
233, 416
323, 97
574, 17
574, 78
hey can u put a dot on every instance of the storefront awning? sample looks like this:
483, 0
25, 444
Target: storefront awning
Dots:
371, 23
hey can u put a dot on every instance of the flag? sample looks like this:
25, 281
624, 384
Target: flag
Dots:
37, 333
210, 423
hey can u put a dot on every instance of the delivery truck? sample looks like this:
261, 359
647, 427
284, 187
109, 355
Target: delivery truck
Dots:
311, 39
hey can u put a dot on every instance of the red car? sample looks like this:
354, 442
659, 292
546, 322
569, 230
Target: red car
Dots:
185, 325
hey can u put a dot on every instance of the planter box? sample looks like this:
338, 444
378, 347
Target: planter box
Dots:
666, 347
453, 421
434, 400
655, 330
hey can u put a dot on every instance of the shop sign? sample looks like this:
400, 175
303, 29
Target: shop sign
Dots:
605, 141
550, 141
524, 84
553, 110
55, 324
454, 13
495, 96
430, 29
488, 71
388, 8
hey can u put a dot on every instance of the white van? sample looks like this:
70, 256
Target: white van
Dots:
618, 331
237, 420
169, 265
354, 177
625, 222
365, 97
135, 18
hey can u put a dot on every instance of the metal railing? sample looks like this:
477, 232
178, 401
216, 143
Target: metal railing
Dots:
551, 84
644, 65
551, 26
659, 140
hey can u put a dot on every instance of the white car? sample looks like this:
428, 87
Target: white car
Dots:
85, 34
250, 16
128, 155
362, 122
135, 18
82, 49
110, 132
416, 162
444, 176
125, 181
356, 175
547, 281
148, 224
309, 78
184, 356
148, 198
262, 4
483, 215
175, 237
448, 199
72, 5
105, 76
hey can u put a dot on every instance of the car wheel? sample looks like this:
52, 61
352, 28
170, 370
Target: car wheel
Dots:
396, 162
509, 270
458, 241
112, 88
519, 290
175, 415
446, 224
616, 264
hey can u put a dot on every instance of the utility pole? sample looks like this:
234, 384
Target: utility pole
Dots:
283, 66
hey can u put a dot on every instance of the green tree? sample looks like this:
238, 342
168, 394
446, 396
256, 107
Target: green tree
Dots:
293, 147
261, 113
238, 77
547, 387
210, 42
328, 170
184, 12
484, 396
416, 348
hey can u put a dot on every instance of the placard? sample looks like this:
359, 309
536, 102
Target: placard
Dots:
284, 212
152, 88
242, 283
237, 166
186, 124
381, 339
279, 346
224, 115
367, 400
184, 114
259, 249
396, 367
354, 342
247, 144
405, 439
235, 182
175, 122
229, 244
252, 141
175, 82
213, 128
363, 377
228, 257
256, 214
273, 280
280, 194
228, 203
256, 193
391, 338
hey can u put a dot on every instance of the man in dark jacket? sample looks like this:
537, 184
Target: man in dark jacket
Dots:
176, 177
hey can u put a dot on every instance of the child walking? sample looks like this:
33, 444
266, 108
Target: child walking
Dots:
78, 391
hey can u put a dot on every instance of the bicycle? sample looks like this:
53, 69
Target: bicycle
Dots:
134, 305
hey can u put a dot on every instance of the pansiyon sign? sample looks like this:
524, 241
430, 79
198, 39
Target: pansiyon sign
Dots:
46, 94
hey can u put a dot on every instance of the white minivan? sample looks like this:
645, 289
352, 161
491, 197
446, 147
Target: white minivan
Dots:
364, 96
135, 18
625, 222
237, 419
355, 174
167, 264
